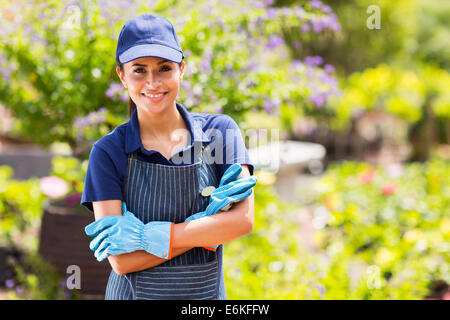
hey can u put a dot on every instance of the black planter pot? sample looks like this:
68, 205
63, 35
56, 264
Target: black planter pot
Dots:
63, 243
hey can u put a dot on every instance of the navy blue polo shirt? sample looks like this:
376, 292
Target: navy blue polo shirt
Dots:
107, 166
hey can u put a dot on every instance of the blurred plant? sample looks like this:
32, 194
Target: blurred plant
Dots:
269, 263
393, 221
59, 79
20, 210
398, 91
66, 181
38, 280
356, 47
372, 240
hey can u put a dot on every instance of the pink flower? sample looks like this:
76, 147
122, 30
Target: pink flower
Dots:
388, 188
367, 176
53, 186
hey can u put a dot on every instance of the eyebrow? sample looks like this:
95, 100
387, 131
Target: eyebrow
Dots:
144, 65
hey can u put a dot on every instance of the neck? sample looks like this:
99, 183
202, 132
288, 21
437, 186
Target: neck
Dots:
160, 126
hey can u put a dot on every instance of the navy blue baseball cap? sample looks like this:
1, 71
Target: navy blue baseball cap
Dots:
148, 35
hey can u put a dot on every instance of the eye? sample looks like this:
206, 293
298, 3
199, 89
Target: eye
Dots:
139, 70
166, 68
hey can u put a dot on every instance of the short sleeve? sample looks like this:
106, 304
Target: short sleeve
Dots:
234, 149
102, 181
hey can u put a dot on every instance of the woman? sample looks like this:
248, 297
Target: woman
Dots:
151, 182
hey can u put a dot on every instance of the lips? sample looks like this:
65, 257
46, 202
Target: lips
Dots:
154, 97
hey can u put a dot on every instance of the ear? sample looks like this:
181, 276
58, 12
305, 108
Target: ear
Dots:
121, 77
182, 70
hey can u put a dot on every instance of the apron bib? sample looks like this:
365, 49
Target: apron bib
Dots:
155, 192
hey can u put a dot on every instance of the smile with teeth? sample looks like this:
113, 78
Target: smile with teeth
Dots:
154, 95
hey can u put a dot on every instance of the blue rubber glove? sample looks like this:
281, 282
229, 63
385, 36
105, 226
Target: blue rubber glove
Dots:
122, 234
230, 190
222, 196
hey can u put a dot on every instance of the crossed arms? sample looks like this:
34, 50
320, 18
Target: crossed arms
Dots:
208, 231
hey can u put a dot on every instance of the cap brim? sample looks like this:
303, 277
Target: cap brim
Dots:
151, 50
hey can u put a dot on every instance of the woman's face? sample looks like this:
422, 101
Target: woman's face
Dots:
152, 82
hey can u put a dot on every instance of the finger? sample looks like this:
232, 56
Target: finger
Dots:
93, 245
241, 196
231, 174
216, 205
128, 214
236, 187
102, 251
96, 227
102, 256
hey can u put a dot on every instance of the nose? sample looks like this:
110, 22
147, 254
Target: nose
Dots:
153, 80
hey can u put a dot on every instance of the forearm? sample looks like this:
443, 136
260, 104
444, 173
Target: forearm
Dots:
216, 229
139, 260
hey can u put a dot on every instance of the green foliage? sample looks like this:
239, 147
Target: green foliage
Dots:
20, 208
431, 41
267, 264
357, 47
60, 80
38, 280
396, 219
401, 92
386, 236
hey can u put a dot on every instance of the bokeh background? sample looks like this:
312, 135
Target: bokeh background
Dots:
351, 96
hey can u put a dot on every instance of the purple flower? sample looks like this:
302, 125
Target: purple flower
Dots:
320, 288
124, 97
269, 2
187, 53
274, 42
305, 28
272, 13
326, 9
317, 25
328, 68
317, 99
9, 283
270, 105
313, 60
113, 89
205, 65
316, 4
286, 11
185, 85
72, 200
257, 4
296, 63
19, 290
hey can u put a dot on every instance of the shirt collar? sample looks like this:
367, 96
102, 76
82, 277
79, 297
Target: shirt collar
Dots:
133, 138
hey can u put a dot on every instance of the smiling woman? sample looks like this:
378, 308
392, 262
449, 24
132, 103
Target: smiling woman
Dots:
161, 234
141, 69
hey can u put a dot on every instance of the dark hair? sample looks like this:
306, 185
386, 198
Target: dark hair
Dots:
131, 104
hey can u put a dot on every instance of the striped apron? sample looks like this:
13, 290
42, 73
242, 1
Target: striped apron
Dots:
155, 192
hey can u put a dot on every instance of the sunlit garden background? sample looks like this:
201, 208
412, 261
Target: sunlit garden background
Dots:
355, 202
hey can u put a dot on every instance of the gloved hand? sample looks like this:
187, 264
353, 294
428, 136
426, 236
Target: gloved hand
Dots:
126, 233
230, 190
222, 196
